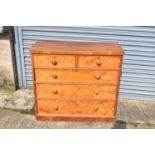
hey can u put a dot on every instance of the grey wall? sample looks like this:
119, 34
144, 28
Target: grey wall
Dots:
138, 77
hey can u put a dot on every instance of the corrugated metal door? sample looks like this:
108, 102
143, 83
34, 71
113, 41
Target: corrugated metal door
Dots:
138, 77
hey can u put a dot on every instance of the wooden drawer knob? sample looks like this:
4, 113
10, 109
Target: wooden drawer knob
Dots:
55, 91
96, 108
98, 76
97, 92
98, 62
56, 108
54, 76
54, 62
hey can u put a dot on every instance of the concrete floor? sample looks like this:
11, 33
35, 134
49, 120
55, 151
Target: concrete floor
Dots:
16, 120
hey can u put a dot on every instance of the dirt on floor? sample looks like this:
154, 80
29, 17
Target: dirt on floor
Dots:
15, 120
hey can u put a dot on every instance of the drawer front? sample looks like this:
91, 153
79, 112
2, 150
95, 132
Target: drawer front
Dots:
100, 62
46, 75
53, 61
75, 107
76, 91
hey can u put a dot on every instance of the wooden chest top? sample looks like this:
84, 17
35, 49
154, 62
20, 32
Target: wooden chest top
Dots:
76, 80
77, 48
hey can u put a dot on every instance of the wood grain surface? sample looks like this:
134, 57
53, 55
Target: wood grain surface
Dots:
43, 61
75, 81
106, 62
75, 108
76, 48
76, 91
84, 76
77, 118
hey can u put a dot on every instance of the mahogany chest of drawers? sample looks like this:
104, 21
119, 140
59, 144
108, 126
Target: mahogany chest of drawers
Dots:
76, 81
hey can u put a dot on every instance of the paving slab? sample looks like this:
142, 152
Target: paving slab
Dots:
16, 120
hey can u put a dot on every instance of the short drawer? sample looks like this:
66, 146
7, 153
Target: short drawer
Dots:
70, 76
75, 107
76, 91
100, 62
53, 61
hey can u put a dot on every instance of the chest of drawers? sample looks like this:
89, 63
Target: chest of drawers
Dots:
76, 81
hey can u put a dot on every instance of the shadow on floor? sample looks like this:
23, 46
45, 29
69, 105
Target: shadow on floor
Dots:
32, 111
119, 125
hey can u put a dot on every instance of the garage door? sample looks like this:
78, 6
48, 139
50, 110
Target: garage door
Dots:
138, 77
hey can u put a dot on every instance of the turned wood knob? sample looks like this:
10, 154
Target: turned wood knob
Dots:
54, 76
97, 92
54, 62
98, 62
56, 108
98, 76
96, 108
55, 91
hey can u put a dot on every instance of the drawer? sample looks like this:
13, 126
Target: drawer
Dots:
76, 91
53, 61
100, 62
75, 107
84, 76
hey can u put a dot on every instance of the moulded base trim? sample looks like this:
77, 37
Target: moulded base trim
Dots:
79, 118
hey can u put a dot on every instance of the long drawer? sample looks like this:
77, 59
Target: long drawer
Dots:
75, 107
85, 76
76, 91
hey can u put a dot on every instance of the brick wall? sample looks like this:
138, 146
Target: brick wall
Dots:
7, 77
